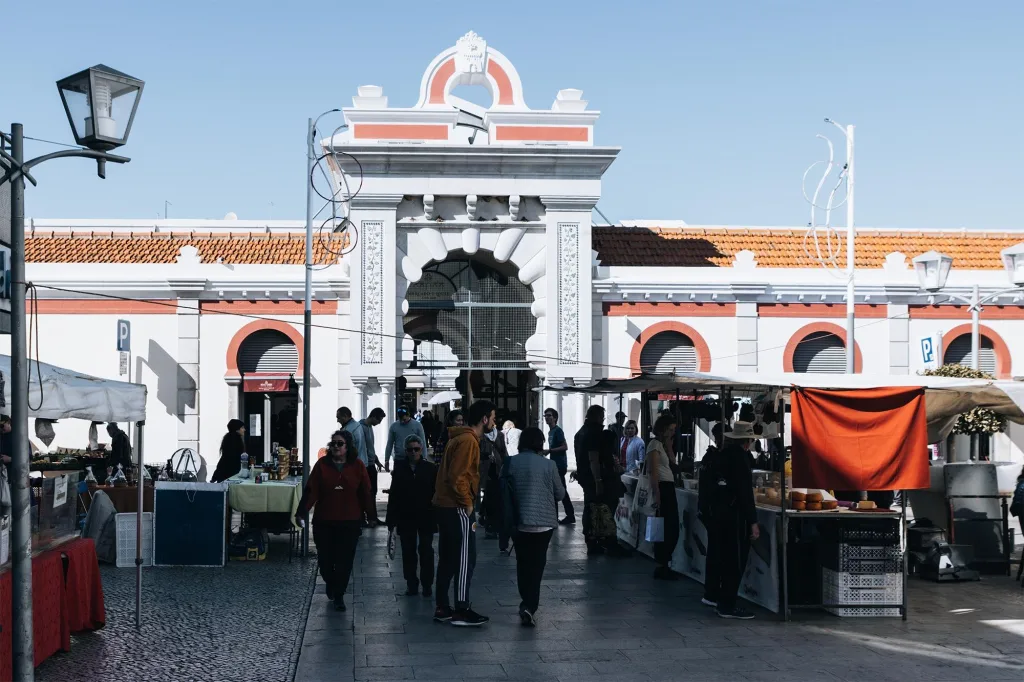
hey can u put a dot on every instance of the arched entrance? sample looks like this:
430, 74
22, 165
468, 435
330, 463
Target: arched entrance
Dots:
268, 360
472, 315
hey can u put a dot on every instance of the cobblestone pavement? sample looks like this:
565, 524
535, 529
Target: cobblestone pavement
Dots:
605, 619
242, 622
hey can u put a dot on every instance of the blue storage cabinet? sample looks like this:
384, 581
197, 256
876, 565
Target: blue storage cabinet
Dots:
189, 524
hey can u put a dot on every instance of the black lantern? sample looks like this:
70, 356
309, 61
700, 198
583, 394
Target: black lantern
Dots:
100, 103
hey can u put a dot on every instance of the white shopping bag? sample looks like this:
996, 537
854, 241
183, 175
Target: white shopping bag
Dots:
655, 529
643, 498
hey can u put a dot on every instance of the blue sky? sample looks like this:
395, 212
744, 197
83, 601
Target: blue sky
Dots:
715, 104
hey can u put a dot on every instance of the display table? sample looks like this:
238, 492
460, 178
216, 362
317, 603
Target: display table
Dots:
765, 568
125, 499
249, 497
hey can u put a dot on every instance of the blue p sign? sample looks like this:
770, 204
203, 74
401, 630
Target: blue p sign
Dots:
927, 350
124, 336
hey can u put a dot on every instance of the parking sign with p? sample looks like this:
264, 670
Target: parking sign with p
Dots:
124, 336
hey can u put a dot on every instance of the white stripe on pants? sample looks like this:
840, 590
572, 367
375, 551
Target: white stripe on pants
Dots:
462, 579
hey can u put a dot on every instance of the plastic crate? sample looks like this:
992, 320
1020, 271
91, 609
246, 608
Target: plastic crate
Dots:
860, 592
126, 539
862, 559
868, 531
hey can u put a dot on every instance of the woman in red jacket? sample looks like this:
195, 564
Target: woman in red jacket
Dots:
339, 492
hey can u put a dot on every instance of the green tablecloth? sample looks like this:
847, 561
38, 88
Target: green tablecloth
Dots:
273, 496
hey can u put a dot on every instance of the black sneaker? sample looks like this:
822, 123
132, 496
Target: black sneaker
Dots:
737, 613
568, 521
427, 592
339, 603
468, 618
443, 614
412, 591
330, 592
665, 573
526, 618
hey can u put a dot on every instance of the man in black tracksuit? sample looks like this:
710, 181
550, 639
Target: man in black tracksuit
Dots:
733, 519
705, 498
411, 511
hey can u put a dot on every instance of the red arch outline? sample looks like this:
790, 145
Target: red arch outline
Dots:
231, 361
701, 346
438, 85
1002, 351
814, 328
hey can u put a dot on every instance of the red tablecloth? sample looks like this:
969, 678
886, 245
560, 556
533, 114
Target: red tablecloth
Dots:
86, 610
50, 628
60, 604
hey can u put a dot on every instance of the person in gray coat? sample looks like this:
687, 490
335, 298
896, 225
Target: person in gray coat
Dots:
531, 488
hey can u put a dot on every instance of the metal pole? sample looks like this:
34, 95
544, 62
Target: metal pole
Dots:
140, 483
975, 354
307, 321
23, 649
851, 343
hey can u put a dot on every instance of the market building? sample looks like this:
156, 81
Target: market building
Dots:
470, 261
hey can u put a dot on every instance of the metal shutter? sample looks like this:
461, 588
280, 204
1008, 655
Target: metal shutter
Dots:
268, 352
668, 352
820, 354
959, 353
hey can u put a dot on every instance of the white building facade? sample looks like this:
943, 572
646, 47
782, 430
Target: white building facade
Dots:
469, 262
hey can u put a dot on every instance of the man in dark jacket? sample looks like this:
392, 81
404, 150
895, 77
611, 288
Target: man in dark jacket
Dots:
493, 452
705, 498
120, 449
411, 511
587, 444
733, 519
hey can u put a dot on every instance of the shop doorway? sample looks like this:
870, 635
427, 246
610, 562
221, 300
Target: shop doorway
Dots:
268, 361
475, 315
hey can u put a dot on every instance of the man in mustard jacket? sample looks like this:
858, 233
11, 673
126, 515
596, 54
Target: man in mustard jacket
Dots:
455, 496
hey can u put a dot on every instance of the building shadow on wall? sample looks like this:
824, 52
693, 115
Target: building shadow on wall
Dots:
170, 377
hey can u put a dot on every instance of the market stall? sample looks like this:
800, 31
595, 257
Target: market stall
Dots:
67, 595
855, 552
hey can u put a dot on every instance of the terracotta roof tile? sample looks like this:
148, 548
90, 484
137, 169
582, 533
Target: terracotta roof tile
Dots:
150, 247
782, 248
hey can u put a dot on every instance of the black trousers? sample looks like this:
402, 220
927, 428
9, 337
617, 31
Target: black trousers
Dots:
531, 557
732, 537
417, 541
335, 552
670, 512
566, 502
372, 471
712, 564
456, 549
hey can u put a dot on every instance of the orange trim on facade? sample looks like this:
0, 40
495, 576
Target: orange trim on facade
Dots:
816, 328
267, 307
819, 310
440, 81
105, 307
961, 312
669, 309
231, 361
699, 344
503, 81
541, 134
396, 131
1004, 365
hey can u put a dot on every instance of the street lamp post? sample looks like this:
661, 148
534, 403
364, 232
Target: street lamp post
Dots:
933, 269
100, 104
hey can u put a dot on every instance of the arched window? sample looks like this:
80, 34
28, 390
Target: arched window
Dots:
820, 353
958, 352
669, 351
268, 351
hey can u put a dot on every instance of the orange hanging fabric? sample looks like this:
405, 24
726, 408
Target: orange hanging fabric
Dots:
871, 439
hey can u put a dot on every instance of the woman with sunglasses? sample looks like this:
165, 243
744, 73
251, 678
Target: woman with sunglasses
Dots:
411, 511
339, 492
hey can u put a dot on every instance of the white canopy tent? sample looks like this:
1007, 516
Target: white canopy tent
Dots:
59, 393
945, 398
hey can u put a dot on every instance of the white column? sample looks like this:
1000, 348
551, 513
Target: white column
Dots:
233, 408
358, 403
746, 336
313, 448
899, 338
188, 374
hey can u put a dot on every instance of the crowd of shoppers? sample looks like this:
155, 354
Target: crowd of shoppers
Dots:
513, 480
